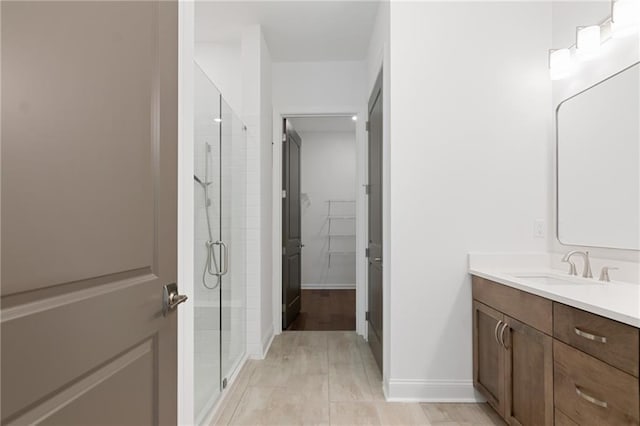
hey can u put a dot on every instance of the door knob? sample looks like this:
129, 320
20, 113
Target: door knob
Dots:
170, 298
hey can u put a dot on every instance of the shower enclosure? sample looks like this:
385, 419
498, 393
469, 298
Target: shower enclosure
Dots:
220, 244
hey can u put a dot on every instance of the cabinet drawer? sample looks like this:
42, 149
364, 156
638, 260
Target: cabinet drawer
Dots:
525, 307
591, 392
611, 341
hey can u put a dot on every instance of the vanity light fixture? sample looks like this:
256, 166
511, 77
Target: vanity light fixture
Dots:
624, 20
560, 63
625, 17
587, 41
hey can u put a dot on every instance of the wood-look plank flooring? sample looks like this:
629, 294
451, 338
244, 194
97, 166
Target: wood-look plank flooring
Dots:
329, 378
326, 310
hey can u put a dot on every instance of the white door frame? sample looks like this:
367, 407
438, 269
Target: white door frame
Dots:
186, 56
279, 113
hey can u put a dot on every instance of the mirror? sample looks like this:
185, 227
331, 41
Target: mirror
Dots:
598, 164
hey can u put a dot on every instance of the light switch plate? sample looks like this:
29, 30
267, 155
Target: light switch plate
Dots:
538, 228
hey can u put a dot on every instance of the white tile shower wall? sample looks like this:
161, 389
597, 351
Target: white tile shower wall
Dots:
470, 124
256, 67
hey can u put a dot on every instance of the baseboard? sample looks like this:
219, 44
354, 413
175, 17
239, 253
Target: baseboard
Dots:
266, 341
259, 351
431, 391
328, 286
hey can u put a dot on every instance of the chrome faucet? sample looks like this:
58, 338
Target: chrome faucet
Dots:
586, 272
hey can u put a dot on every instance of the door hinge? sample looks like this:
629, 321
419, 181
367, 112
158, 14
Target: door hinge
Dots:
284, 250
367, 126
284, 137
224, 383
366, 252
284, 193
366, 316
367, 189
284, 308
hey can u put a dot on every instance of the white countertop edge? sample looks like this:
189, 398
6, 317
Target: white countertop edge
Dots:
504, 279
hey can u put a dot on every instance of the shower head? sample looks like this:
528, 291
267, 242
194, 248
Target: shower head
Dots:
203, 184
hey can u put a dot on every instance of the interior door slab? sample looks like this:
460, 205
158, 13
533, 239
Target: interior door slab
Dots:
89, 149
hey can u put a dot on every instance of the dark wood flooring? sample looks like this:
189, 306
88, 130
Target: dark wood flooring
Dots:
326, 310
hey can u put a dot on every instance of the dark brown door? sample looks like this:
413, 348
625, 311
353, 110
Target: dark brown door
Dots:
89, 147
374, 306
529, 375
291, 225
488, 355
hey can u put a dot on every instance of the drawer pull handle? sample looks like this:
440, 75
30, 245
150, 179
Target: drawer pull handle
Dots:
591, 399
590, 336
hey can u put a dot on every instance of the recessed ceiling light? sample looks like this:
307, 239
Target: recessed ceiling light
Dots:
218, 120
354, 117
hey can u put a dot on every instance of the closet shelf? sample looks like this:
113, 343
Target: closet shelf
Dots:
341, 216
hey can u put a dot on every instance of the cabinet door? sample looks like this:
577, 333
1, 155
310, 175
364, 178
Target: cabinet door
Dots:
488, 355
529, 375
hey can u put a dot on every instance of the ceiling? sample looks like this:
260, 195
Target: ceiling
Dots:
323, 124
295, 31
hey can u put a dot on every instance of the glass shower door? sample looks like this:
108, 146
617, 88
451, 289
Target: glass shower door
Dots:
220, 245
207, 134
233, 229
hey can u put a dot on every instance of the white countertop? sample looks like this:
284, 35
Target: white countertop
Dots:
614, 300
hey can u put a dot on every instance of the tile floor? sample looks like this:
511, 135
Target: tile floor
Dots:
329, 378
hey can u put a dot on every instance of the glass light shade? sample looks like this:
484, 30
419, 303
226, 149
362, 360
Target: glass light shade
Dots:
625, 18
588, 42
560, 64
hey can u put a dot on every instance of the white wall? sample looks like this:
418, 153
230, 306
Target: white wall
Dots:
256, 66
266, 208
308, 88
222, 62
616, 55
319, 85
469, 171
328, 172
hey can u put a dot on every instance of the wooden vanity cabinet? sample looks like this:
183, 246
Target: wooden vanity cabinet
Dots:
540, 362
512, 360
528, 375
488, 355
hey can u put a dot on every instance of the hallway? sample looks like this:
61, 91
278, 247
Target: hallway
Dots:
329, 377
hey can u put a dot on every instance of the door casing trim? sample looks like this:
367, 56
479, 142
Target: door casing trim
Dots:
280, 113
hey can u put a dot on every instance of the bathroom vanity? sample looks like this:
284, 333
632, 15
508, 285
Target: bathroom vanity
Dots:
549, 350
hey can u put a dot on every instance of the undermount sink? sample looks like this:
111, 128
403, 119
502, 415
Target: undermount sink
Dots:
550, 279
